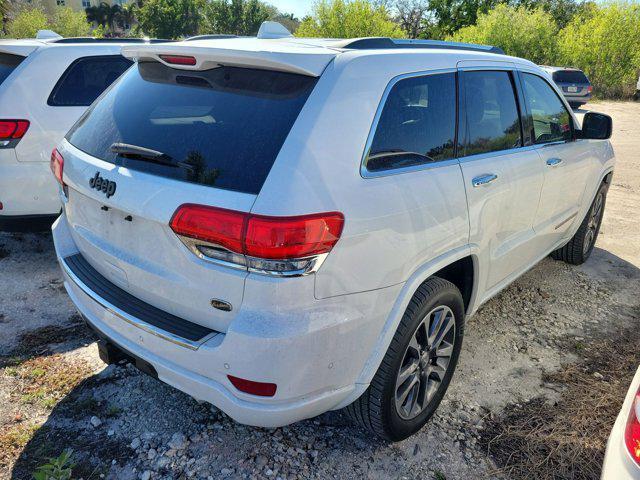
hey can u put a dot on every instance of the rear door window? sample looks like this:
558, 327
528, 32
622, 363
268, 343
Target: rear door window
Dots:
86, 79
222, 127
569, 76
491, 120
8, 64
551, 119
417, 125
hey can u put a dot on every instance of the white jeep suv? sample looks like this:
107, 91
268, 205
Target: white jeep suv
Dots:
285, 226
45, 85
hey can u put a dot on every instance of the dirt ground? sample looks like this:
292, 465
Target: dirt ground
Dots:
56, 394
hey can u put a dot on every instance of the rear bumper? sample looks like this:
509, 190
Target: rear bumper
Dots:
313, 356
26, 188
582, 99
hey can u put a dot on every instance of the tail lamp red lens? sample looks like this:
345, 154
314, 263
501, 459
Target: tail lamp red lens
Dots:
179, 59
260, 236
13, 129
57, 165
253, 388
632, 431
589, 89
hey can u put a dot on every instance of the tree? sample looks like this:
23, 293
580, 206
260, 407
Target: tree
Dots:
237, 17
412, 16
69, 23
288, 20
562, 11
27, 22
603, 41
128, 15
452, 15
517, 30
348, 19
170, 18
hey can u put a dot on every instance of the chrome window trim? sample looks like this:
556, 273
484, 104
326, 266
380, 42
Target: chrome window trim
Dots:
136, 322
497, 153
364, 172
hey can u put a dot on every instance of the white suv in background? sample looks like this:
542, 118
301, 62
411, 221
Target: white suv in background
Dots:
285, 226
45, 85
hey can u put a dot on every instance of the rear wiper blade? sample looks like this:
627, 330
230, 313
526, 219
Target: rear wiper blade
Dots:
143, 154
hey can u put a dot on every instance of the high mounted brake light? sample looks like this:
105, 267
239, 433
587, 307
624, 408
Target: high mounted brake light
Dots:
11, 131
179, 59
271, 245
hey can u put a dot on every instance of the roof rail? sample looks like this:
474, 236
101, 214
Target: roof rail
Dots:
386, 42
109, 40
211, 36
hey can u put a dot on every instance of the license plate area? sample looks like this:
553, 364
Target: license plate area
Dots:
572, 89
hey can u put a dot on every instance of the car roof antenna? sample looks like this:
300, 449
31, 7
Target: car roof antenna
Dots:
273, 30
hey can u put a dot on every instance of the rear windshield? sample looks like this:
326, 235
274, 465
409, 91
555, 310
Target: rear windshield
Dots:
8, 64
570, 76
222, 127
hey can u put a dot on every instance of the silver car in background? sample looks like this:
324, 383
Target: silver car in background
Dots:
574, 84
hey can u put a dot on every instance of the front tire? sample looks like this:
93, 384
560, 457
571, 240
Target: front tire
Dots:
417, 368
579, 248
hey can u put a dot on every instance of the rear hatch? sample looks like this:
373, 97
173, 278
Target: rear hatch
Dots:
572, 82
166, 137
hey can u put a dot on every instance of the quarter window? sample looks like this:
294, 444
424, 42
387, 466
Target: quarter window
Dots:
86, 79
551, 120
417, 124
491, 120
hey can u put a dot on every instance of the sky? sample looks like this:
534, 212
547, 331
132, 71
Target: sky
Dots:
298, 7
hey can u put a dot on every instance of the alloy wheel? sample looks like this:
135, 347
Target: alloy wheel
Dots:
425, 362
595, 216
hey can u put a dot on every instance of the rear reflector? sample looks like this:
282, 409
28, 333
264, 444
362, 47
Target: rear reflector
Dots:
632, 431
260, 236
253, 388
57, 165
178, 59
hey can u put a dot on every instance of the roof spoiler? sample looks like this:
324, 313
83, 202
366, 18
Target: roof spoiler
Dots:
210, 54
47, 35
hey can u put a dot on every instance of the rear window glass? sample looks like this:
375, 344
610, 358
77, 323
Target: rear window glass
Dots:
570, 76
86, 79
8, 64
222, 127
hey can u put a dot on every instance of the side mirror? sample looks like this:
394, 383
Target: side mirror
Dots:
596, 126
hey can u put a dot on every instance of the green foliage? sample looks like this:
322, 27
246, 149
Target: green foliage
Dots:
348, 19
452, 15
604, 42
69, 23
26, 23
170, 18
57, 469
518, 31
237, 17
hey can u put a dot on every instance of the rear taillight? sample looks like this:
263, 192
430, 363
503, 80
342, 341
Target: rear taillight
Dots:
589, 89
57, 166
11, 131
632, 431
271, 245
179, 59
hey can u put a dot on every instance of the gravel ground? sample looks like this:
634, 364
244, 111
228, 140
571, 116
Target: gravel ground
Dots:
55, 393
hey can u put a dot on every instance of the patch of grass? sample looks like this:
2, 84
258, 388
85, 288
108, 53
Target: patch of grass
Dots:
46, 380
37, 341
567, 440
58, 468
13, 438
113, 411
438, 475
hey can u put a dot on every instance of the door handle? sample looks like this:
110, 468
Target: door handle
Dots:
485, 179
554, 162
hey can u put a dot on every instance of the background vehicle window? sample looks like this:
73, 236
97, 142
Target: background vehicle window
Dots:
569, 76
491, 116
417, 124
551, 120
86, 79
222, 127
8, 64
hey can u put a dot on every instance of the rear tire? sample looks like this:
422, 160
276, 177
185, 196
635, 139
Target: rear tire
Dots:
579, 248
418, 366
